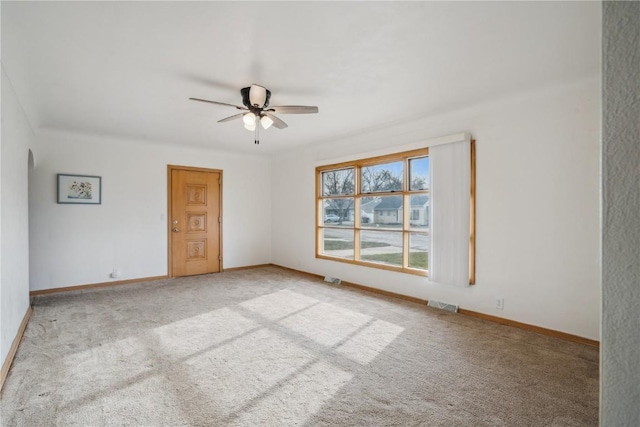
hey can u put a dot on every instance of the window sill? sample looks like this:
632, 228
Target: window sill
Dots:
415, 272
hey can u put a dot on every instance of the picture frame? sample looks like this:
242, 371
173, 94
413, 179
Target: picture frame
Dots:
79, 189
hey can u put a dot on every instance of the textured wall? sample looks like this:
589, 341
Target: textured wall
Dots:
620, 393
14, 278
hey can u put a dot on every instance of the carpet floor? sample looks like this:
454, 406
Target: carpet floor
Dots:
272, 347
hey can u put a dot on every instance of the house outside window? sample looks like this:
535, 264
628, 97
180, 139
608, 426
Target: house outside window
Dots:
391, 195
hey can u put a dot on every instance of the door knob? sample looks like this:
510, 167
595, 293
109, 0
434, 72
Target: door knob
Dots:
175, 229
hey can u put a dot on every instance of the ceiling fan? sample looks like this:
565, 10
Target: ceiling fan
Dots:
256, 108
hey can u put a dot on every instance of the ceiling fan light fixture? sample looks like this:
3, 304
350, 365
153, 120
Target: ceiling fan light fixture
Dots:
250, 126
249, 119
257, 96
266, 122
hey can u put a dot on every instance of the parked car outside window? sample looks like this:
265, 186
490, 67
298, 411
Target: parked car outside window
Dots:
331, 218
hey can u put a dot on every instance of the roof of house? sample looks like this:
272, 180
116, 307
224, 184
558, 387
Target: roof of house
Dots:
395, 202
389, 202
370, 205
419, 200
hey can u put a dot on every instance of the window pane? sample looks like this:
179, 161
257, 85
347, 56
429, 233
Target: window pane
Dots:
384, 247
383, 211
338, 182
338, 243
419, 251
338, 212
419, 173
380, 178
367, 206
419, 211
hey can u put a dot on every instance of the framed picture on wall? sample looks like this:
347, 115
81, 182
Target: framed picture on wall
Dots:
79, 189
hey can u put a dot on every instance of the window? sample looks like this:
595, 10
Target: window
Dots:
375, 212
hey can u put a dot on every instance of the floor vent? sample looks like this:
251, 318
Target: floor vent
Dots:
443, 306
333, 280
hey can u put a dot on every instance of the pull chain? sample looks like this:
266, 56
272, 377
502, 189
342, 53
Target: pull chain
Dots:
257, 140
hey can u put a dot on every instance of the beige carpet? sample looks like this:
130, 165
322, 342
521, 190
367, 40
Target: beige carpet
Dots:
271, 347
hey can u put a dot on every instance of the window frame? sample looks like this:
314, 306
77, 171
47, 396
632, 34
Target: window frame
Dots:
406, 229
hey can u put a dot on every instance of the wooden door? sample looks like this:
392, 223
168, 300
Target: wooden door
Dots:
194, 221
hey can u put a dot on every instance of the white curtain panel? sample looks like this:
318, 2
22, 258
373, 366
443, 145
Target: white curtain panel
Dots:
450, 166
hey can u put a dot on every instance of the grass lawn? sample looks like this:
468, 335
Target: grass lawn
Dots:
416, 259
334, 245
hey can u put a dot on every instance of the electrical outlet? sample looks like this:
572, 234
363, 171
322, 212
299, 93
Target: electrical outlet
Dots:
115, 273
500, 303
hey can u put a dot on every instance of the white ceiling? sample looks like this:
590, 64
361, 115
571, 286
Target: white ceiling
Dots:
126, 69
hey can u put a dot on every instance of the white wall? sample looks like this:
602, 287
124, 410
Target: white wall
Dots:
620, 350
14, 226
537, 207
81, 244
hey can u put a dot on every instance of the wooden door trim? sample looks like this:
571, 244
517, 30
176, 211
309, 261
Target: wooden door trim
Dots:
171, 168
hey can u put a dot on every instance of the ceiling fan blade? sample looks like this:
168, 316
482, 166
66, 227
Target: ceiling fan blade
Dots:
228, 119
276, 121
294, 109
218, 103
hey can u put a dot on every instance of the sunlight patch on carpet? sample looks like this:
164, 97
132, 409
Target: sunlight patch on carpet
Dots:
100, 368
143, 402
366, 344
198, 333
325, 323
279, 304
233, 375
298, 399
243, 369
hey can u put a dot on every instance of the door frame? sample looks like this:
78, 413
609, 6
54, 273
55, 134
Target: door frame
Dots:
171, 168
